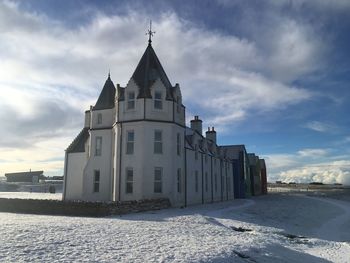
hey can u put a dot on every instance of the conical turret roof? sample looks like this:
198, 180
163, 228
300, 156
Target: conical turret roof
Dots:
148, 71
106, 100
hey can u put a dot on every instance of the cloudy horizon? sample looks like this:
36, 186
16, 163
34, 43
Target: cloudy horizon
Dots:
273, 76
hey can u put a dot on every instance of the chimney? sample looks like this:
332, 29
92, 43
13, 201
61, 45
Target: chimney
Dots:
196, 124
211, 134
87, 119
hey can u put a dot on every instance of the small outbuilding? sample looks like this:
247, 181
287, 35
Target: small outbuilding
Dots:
25, 177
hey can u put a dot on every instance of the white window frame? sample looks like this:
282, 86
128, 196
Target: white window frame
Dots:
98, 146
129, 182
158, 101
158, 184
158, 143
130, 100
130, 143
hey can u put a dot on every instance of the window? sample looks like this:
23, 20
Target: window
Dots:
96, 181
99, 118
206, 181
129, 180
98, 149
195, 152
158, 179
178, 144
131, 100
158, 104
215, 182
130, 142
179, 180
196, 181
158, 145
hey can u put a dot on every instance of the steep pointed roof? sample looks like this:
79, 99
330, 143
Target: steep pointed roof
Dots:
107, 96
148, 71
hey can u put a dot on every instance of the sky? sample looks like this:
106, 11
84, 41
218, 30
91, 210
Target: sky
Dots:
273, 75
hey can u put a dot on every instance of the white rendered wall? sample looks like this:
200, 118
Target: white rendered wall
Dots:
102, 163
108, 117
144, 160
74, 177
193, 165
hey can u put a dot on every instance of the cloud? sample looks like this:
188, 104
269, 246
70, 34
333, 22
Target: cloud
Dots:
328, 173
309, 165
50, 73
313, 153
320, 126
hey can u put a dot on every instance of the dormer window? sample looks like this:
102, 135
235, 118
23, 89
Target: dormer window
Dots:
99, 118
131, 100
158, 104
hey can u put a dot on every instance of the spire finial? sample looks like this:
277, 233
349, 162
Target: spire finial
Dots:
109, 73
150, 33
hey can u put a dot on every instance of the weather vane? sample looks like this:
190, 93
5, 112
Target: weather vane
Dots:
150, 33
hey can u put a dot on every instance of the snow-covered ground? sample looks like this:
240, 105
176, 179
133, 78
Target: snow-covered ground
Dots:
284, 227
29, 195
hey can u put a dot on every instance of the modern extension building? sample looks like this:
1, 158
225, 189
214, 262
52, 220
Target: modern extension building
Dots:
135, 145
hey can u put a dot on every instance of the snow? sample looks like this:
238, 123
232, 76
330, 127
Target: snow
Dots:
285, 227
29, 195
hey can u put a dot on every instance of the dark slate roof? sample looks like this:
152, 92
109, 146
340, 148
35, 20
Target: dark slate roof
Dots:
78, 144
262, 163
107, 96
234, 150
148, 71
30, 173
252, 159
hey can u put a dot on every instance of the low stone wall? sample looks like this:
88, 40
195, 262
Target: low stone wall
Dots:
79, 208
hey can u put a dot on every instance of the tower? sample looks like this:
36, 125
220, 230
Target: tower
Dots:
149, 135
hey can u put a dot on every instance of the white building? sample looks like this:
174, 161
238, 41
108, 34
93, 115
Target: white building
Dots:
135, 145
